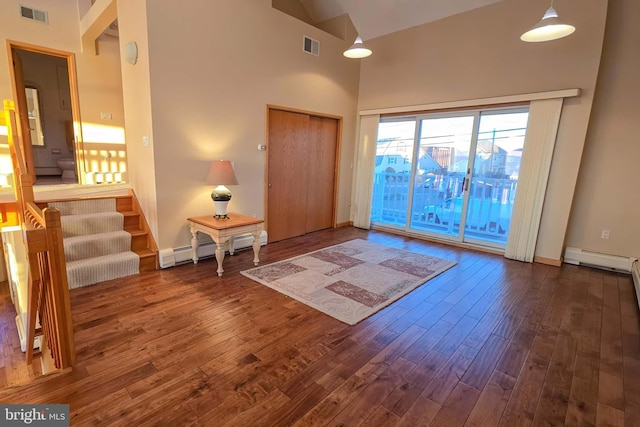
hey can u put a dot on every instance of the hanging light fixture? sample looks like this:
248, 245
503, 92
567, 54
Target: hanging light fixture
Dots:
357, 50
549, 28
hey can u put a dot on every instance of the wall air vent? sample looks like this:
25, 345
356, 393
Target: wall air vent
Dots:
311, 46
34, 14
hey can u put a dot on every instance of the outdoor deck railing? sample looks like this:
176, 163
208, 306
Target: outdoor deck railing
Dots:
436, 203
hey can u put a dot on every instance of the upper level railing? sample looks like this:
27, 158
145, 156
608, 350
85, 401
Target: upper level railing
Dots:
48, 307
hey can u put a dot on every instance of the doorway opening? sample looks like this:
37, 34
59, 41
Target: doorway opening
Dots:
46, 99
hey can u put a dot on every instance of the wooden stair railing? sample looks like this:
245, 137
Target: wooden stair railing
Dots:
48, 286
48, 289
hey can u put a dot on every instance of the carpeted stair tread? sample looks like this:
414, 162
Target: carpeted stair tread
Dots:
82, 207
89, 271
95, 245
94, 223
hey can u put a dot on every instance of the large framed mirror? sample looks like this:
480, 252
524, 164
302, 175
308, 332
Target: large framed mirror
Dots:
34, 111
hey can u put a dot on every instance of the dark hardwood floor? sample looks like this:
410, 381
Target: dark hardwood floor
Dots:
489, 342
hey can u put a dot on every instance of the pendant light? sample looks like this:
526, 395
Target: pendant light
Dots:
357, 50
549, 28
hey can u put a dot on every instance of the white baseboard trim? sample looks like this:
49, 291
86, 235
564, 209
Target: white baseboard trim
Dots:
577, 256
635, 272
175, 256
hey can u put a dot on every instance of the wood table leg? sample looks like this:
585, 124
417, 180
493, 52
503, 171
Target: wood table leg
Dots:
220, 248
194, 244
231, 243
256, 247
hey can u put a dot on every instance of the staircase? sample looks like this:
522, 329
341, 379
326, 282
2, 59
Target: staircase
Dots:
104, 239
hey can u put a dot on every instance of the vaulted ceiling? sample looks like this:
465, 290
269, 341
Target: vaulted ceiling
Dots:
374, 18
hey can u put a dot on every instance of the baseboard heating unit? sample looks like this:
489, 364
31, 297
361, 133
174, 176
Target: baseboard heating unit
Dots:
174, 256
577, 256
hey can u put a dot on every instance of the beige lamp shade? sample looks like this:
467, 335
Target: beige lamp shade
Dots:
222, 173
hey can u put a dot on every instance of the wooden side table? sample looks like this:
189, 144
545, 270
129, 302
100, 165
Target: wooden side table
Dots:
223, 232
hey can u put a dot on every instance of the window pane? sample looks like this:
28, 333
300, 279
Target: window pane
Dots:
495, 175
394, 160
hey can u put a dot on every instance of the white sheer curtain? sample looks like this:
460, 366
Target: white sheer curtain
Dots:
364, 168
544, 117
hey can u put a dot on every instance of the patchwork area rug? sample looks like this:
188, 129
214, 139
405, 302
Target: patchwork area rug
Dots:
352, 280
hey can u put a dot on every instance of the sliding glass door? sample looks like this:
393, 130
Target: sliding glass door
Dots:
439, 193
452, 175
494, 180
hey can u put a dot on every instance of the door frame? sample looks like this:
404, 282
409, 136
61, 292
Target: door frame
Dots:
336, 176
75, 102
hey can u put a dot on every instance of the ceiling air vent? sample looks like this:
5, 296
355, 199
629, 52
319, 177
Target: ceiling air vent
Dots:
311, 46
34, 14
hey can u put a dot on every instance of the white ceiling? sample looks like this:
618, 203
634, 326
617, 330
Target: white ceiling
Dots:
375, 18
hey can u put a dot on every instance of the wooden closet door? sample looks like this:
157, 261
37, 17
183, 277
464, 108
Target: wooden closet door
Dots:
287, 175
321, 169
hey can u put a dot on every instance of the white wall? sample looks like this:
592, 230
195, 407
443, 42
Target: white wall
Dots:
132, 25
478, 54
214, 67
607, 196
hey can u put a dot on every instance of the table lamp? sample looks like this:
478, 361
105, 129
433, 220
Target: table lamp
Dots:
220, 174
